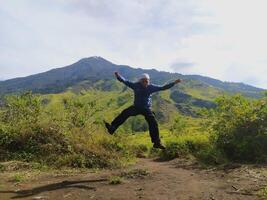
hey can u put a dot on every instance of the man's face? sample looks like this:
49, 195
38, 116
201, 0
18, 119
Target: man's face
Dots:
144, 82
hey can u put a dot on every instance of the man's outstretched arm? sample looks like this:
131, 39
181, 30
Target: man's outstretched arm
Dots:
156, 88
123, 80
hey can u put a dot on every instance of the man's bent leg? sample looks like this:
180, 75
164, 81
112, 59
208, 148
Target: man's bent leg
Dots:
123, 116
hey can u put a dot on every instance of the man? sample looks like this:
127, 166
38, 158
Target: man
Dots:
142, 105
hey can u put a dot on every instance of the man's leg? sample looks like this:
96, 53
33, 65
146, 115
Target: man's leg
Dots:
121, 118
153, 126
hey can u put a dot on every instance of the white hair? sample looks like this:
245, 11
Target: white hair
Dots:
144, 76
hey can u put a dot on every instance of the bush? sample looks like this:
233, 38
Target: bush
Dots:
140, 150
79, 114
135, 124
239, 128
115, 180
19, 112
184, 144
65, 136
19, 119
179, 125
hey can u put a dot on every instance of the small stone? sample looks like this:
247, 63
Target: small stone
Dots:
39, 198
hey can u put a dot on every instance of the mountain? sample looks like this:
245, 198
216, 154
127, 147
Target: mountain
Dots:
88, 71
57, 80
228, 86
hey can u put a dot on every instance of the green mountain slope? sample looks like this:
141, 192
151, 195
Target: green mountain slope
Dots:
88, 72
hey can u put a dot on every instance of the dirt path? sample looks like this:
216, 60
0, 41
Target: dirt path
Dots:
148, 179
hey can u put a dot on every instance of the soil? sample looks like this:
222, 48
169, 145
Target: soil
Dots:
148, 179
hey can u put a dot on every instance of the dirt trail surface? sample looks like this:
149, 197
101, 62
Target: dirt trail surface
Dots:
148, 179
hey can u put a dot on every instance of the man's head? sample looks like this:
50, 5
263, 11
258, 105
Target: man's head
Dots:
144, 79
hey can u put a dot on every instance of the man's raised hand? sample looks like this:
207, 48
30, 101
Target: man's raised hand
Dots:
117, 74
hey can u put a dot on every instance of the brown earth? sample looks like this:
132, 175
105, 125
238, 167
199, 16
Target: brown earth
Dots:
148, 179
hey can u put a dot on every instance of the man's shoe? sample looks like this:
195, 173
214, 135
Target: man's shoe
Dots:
158, 146
109, 128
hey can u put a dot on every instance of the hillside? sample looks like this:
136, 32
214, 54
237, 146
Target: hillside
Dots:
55, 145
88, 71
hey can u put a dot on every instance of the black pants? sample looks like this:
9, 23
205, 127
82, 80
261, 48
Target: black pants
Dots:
147, 113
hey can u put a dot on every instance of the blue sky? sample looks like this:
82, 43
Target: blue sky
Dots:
223, 39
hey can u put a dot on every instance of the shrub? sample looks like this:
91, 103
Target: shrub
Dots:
20, 111
135, 173
64, 136
115, 180
140, 150
239, 128
78, 113
135, 124
179, 125
184, 144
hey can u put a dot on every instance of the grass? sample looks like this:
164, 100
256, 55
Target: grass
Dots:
135, 173
263, 193
2, 168
192, 142
209, 93
58, 128
115, 180
18, 177
68, 131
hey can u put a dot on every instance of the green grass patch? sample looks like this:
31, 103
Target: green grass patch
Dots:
263, 193
115, 180
18, 177
191, 143
135, 173
2, 168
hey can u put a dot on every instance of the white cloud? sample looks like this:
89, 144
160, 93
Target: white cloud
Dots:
223, 39
236, 49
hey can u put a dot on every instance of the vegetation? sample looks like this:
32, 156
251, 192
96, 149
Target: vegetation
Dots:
66, 130
135, 173
17, 177
263, 193
239, 128
58, 136
115, 180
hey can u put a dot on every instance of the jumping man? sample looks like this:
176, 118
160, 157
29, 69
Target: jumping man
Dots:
142, 105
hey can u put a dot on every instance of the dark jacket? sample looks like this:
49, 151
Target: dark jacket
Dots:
142, 95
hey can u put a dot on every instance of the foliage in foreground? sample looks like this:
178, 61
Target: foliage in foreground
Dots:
61, 137
239, 128
235, 131
68, 131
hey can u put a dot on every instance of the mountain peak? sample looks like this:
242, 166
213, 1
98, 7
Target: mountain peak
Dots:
94, 58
